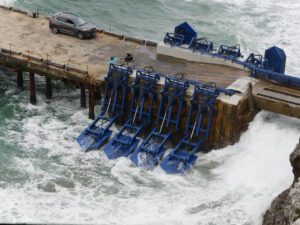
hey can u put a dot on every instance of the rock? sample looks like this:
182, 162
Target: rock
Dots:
285, 209
295, 161
275, 215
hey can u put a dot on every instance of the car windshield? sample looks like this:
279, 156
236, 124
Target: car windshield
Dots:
79, 21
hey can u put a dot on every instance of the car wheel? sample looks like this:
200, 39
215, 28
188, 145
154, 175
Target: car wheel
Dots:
80, 35
55, 30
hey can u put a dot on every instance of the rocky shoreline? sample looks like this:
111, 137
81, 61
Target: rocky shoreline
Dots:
285, 209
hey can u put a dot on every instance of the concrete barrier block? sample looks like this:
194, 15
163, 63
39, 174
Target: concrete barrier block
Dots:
136, 40
151, 43
32, 57
52, 63
71, 68
8, 51
120, 36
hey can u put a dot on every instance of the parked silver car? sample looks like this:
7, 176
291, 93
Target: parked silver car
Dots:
71, 24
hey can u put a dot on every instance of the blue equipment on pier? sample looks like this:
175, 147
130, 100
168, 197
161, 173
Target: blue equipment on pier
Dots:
125, 141
152, 149
187, 31
232, 51
172, 95
183, 34
182, 157
276, 59
173, 39
201, 44
114, 100
256, 60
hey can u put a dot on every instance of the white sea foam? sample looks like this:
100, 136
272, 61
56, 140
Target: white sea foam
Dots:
230, 186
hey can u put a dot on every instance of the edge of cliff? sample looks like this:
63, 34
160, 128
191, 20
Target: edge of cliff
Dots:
285, 208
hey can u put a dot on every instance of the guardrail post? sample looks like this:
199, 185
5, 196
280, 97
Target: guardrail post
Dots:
48, 88
91, 104
32, 89
20, 79
82, 98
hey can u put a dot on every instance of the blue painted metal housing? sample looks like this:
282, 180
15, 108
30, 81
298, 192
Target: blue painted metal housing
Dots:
187, 31
125, 141
276, 59
182, 157
116, 88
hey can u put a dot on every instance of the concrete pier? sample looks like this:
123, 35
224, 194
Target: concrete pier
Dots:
31, 47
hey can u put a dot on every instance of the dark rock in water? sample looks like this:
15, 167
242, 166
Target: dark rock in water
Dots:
64, 183
285, 209
49, 187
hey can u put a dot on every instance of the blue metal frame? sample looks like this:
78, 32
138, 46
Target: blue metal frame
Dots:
143, 86
173, 39
116, 81
172, 94
182, 157
123, 143
202, 45
232, 51
151, 150
99, 131
256, 60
